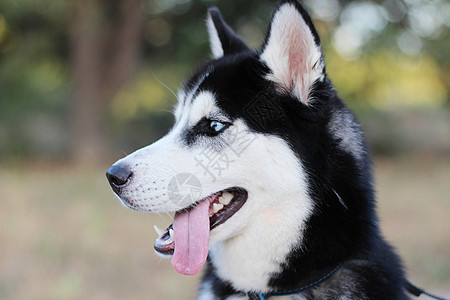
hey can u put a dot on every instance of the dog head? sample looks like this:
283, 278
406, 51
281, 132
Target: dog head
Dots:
249, 149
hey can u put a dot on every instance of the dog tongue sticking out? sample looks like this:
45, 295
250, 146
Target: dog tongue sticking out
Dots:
191, 234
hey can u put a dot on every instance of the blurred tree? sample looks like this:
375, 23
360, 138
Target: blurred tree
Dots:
393, 50
105, 42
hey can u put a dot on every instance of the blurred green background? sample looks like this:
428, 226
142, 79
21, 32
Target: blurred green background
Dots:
82, 82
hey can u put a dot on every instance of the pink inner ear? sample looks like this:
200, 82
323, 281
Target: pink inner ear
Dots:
297, 61
291, 53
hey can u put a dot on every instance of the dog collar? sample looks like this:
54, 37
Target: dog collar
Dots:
261, 296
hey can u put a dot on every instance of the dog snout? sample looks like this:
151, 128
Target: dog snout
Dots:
118, 176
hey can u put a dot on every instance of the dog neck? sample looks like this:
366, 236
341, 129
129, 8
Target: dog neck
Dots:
249, 259
311, 282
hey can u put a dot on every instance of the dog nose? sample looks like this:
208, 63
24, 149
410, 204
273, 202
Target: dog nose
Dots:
118, 176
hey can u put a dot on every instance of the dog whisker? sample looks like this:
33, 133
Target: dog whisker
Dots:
166, 86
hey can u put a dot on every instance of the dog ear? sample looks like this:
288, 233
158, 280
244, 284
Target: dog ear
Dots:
222, 38
292, 51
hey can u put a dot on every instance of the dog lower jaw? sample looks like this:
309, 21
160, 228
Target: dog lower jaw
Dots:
223, 205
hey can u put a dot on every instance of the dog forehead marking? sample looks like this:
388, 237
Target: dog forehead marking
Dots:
194, 100
190, 96
203, 105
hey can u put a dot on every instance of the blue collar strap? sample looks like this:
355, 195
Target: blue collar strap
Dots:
260, 296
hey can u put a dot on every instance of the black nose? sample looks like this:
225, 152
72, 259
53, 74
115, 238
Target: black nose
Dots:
118, 176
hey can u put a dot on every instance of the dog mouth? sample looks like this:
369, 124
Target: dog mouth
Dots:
187, 238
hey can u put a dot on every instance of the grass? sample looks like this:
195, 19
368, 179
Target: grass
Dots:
63, 235
414, 207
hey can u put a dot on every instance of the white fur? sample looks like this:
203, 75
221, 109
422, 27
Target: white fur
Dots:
216, 45
344, 129
206, 292
185, 99
177, 111
205, 106
154, 166
269, 225
251, 245
292, 54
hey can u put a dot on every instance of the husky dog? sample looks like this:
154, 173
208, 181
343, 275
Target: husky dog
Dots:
268, 174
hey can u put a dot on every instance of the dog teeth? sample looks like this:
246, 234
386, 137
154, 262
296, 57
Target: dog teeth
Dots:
226, 198
217, 207
171, 233
158, 230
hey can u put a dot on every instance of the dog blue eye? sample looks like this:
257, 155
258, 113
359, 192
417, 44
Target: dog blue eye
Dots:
217, 126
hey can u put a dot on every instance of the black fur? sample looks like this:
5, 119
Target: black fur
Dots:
337, 234
231, 42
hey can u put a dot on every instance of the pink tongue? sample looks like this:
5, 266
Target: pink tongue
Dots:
191, 231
